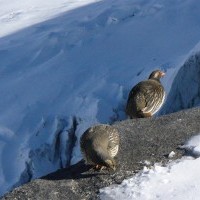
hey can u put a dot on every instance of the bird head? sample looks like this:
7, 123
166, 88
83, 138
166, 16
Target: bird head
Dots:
157, 74
110, 164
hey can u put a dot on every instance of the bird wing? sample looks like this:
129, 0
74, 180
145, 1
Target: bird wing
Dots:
113, 144
154, 97
136, 100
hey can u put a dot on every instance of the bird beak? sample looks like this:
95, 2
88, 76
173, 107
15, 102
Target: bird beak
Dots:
162, 74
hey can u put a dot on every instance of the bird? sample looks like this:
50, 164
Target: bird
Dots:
99, 145
147, 97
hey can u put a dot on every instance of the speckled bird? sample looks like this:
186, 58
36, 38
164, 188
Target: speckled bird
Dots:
147, 97
99, 145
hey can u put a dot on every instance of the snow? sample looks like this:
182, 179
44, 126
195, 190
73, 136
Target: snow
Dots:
66, 65
171, 154
186, 79
18, 14
179, 180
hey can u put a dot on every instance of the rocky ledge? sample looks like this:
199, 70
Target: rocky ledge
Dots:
140, 140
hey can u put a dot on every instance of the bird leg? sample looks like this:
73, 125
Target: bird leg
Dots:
102, 168
99, 167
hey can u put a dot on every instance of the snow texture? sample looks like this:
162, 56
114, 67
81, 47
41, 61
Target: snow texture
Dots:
179, 180
185, 92
66, 65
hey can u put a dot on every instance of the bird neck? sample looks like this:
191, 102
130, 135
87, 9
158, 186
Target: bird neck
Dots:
155, 79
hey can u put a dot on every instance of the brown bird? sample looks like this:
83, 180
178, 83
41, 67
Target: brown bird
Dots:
147, 97
99, 145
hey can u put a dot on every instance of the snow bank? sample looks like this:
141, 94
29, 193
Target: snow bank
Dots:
75, 69
179, 180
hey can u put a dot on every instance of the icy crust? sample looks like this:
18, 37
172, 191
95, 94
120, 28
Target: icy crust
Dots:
179, 180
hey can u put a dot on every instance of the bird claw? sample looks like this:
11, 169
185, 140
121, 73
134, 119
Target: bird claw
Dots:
99, 167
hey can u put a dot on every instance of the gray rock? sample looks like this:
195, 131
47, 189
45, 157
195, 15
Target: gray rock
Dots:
141, 140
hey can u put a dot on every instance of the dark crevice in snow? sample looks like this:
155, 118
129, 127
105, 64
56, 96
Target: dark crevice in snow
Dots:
58, 149
29, 172
64, 146
57, 153
72, 139
138, 73
26, 175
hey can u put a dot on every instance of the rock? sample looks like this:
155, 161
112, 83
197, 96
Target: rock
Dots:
142, 141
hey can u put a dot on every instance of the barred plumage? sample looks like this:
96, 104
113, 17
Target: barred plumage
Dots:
147, 97
113, 145
99, 145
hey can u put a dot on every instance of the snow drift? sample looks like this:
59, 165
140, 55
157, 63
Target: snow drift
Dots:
63, 72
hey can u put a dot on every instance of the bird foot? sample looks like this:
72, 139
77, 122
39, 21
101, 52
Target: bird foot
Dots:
99, 167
